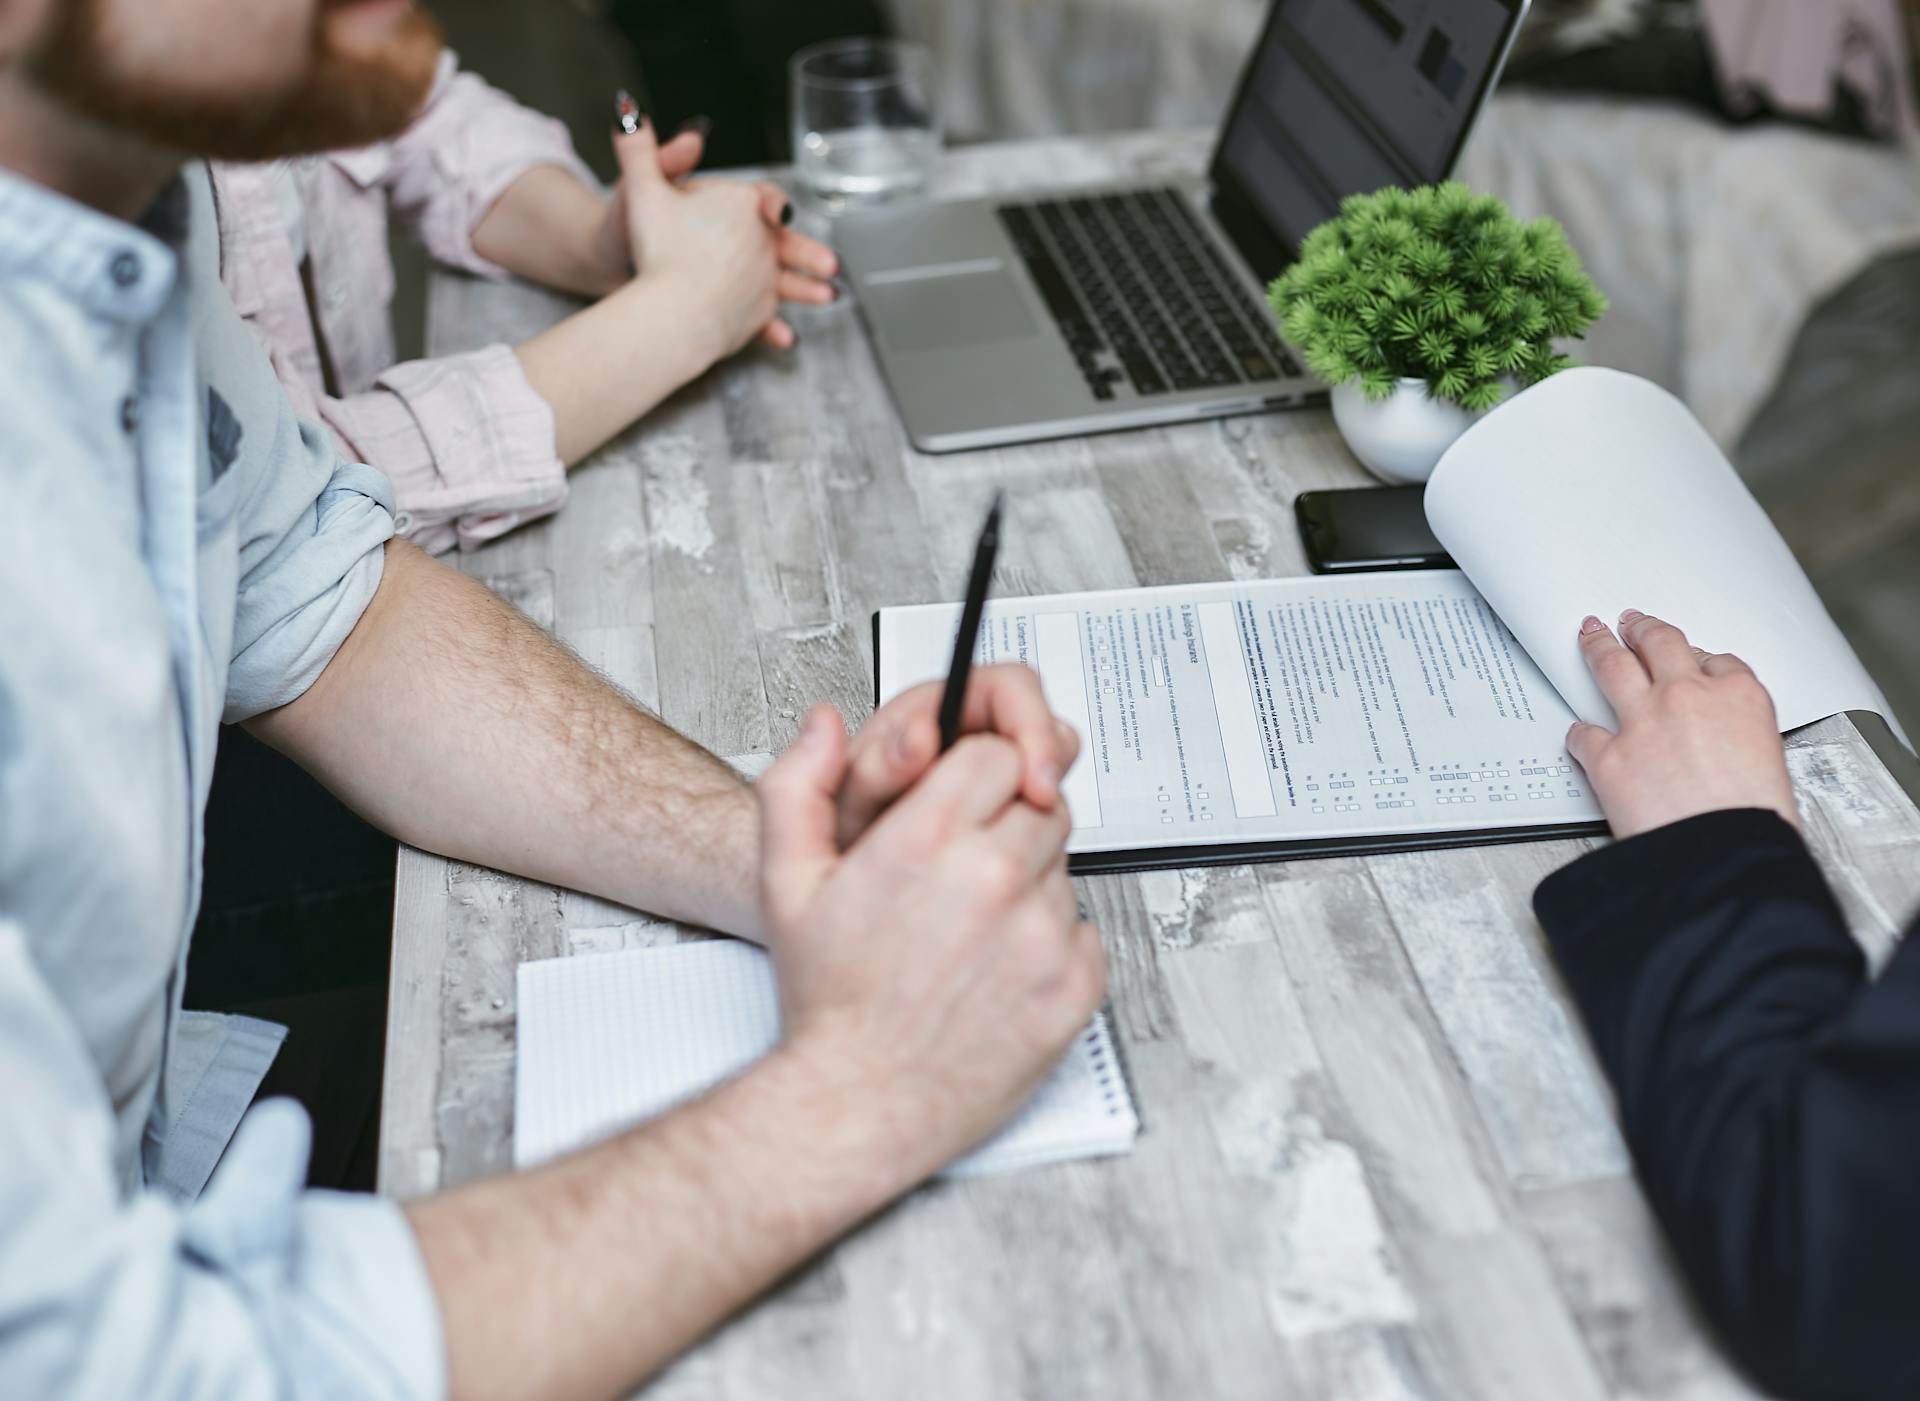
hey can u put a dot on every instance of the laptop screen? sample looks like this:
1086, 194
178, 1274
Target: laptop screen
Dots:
1345, 96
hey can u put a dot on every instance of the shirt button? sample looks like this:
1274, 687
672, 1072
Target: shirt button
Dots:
129, 413
124, 269
402, 522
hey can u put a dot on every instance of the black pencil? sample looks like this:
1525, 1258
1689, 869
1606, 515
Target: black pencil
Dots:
969, 635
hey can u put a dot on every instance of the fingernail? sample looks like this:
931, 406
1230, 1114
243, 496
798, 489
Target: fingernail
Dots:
702, 124
1631, 615
1590, 624
1050, 776
813, 730
897, 749
627, 115
786, 212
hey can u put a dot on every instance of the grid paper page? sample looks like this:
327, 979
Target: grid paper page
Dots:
608, 1040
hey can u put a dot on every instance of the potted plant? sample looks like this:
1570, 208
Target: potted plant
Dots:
1422, 308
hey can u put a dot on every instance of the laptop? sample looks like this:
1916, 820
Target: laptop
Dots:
1015, 318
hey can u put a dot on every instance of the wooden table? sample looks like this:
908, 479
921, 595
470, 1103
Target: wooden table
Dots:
1379, 1160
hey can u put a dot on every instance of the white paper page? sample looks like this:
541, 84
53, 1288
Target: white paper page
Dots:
1594, 492
605, 1041
1280, 709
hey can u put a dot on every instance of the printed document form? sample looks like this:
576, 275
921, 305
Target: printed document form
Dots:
1421, 703
1280, 710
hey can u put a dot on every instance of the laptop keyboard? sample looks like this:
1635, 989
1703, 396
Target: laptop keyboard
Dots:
1142, 294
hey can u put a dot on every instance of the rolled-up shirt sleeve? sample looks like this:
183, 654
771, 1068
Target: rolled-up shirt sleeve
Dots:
257, 1289
311, 535
469, 142
466, 439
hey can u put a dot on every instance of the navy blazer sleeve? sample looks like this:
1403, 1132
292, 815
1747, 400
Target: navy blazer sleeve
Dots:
1769, 1089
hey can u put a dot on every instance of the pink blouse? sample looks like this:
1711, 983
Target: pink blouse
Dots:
467, 442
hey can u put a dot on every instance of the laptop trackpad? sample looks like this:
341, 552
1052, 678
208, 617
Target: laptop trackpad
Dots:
940, 313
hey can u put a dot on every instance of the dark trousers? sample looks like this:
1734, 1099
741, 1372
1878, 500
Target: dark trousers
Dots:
296, 925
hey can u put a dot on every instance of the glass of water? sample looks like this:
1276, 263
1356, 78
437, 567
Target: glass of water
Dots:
866, 129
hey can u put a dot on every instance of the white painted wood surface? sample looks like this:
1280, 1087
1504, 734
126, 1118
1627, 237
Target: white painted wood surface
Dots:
1379, 1160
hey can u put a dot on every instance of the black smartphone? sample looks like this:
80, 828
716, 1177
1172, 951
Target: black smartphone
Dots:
1368, 527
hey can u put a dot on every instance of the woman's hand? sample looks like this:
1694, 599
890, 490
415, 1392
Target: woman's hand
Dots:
723, 241
1697, 730
550, 227
612, 246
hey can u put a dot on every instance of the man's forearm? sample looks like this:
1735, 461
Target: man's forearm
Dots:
581, 1278
449, 720
545, 227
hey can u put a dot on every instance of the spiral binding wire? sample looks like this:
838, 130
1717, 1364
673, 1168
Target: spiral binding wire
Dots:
1115, 1093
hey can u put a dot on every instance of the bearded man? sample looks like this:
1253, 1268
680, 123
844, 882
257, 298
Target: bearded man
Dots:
177, 549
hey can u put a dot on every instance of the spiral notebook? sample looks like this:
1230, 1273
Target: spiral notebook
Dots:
606, 1041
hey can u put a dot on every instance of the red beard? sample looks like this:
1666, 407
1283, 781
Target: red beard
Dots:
341, 101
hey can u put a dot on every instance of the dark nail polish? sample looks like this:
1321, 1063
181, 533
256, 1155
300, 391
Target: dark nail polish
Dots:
786, 212
702, 124
627, 115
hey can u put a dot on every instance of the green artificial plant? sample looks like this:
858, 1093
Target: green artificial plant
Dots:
1436, 283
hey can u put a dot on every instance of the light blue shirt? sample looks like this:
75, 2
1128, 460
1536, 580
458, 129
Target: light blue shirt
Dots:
176, 549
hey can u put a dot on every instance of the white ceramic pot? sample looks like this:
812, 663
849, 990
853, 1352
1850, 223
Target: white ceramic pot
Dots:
1399, 438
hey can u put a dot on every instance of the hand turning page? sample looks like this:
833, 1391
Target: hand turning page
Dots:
1594, 492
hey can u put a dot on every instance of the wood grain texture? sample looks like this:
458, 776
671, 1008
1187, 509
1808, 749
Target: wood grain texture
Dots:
1379, 1160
